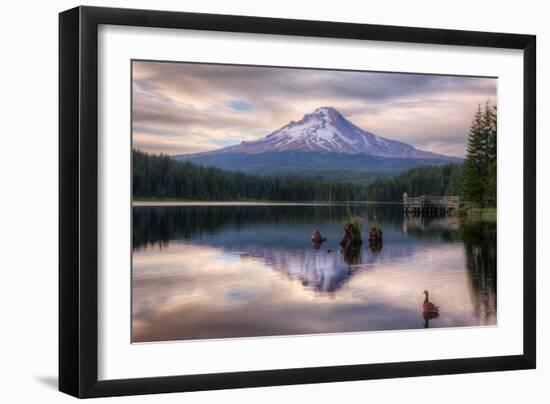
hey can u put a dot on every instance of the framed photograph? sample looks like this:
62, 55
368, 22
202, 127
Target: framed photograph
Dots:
251, 201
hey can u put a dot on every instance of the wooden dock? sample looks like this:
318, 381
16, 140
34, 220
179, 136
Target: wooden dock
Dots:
429, 205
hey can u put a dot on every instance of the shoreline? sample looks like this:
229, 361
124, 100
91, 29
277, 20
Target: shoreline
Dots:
463, 213
152, 202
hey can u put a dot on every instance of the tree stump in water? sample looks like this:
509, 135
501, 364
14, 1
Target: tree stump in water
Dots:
317, 239
375, 235
375, 232
352, 235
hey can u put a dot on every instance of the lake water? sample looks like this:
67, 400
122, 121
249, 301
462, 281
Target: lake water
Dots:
241, 271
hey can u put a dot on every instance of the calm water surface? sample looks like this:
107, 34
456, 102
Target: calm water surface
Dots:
240, 271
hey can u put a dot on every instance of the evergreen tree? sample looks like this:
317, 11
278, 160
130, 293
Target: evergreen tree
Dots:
490, 195
490, 122
479, 183
490, 127
475, 168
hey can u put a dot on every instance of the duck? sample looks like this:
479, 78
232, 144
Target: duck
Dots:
429, 311
428, 307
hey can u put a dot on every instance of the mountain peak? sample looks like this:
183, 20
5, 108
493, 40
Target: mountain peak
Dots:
329, 113
326, 130
324, 110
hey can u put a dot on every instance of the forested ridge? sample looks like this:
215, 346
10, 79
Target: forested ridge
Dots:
161, 177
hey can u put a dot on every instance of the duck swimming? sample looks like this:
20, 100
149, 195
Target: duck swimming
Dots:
429, 306
429, 310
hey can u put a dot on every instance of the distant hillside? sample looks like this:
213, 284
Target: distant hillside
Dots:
358, 168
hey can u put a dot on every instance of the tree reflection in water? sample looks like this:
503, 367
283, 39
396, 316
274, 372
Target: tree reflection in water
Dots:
480, 244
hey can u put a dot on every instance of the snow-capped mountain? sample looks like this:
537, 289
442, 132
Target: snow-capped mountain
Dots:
326, 130
322, 145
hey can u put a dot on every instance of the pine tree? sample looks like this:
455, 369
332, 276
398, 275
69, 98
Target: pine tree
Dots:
479, 183
490, 123
490, 126
475, 167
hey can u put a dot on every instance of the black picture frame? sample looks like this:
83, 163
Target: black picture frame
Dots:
78, 201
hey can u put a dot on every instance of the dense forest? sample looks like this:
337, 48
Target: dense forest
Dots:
428, 180
161, 177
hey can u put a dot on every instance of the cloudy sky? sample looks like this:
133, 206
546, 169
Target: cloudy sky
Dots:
181, 108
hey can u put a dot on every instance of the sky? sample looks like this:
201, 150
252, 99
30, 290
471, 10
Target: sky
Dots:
182, 108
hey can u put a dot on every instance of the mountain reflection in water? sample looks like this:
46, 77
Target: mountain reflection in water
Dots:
238, 271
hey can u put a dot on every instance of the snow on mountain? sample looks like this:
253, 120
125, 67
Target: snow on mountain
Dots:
326, 130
